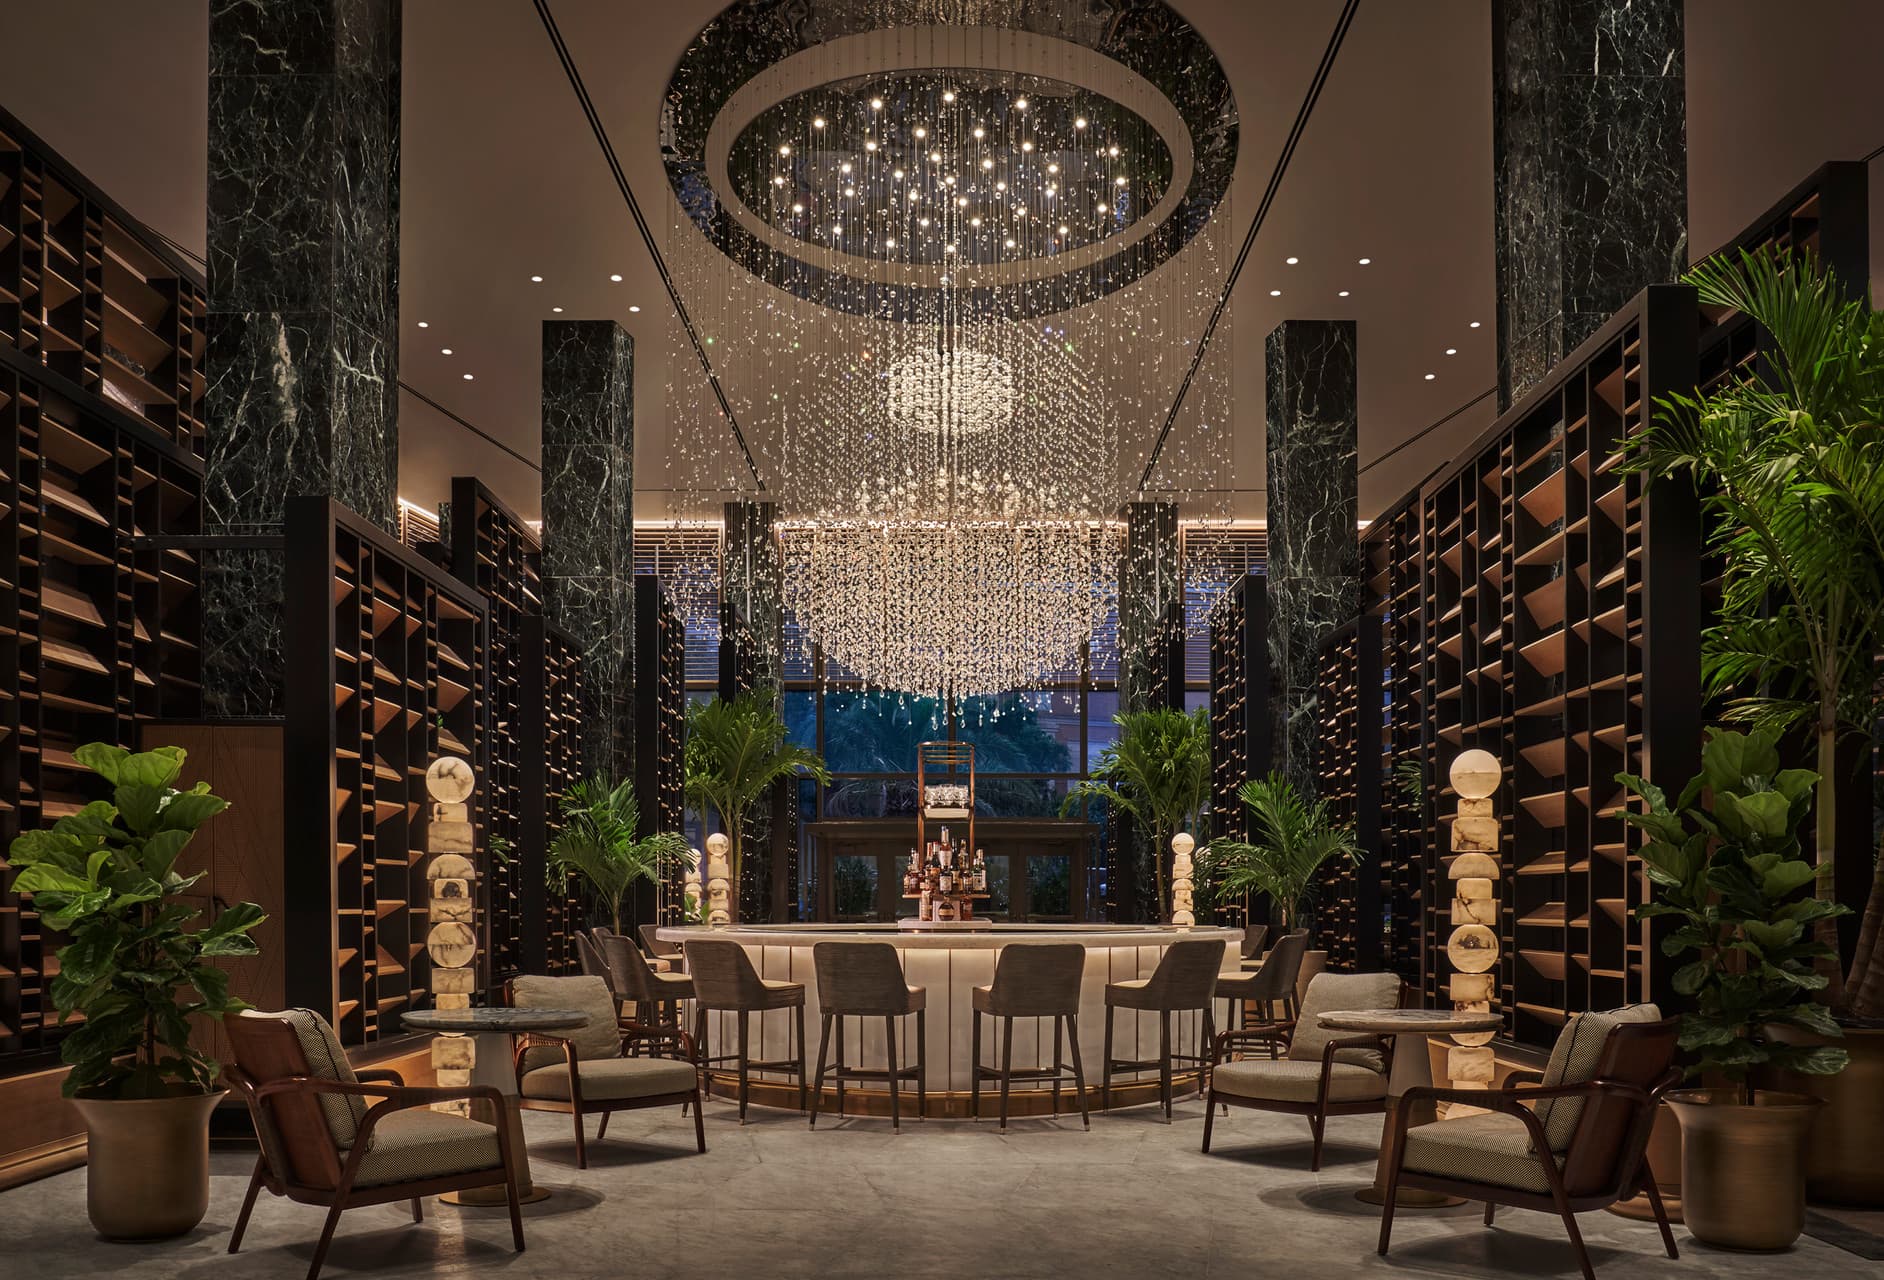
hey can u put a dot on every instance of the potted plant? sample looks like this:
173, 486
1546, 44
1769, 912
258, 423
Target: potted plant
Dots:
1725, 860
596, 843
1157, 770
736, 751
1790, 464
1292, 837
106, 877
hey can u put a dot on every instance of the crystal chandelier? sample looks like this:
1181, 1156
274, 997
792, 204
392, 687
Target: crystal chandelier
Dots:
949, 259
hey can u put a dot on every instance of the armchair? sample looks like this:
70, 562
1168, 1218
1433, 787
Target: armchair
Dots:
332, 1137
589, 1072
1320, 1073
1572, 1144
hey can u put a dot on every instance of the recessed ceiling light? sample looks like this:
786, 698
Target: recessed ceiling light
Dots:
616, 279
1452, 351
634, 308
1431, 376
1365, 261
536, 279
1275, 293
1342, 294
444, 351
557, 310
424, 324
948, 95
1291, 261
1474, 324
467, 377
1020, 104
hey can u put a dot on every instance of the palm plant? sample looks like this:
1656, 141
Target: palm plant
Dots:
1294, 837
1157, 770
597, 843
735, 752
1789, 461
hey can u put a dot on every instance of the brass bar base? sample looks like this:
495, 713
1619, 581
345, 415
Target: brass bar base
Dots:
953, 1105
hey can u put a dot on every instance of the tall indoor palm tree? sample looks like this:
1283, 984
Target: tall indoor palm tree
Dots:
1157, 770
596, 843
1789, 460
735, 752
1292, 838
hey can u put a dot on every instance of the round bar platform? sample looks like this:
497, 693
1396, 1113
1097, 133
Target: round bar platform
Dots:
949, 964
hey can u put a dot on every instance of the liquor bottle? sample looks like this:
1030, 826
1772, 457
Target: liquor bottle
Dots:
926, 904
981, 872
945, 881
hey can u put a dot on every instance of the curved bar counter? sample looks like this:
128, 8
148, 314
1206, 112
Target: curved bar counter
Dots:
948, 965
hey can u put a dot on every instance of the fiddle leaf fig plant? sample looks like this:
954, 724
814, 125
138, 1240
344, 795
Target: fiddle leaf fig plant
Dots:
1725, 860
134, 970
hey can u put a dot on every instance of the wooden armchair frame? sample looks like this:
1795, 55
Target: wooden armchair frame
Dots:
394, 1094
577, 1106
1599, 1177
1277, 1035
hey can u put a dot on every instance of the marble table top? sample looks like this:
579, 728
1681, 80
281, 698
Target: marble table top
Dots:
494, 1021
1415, 1022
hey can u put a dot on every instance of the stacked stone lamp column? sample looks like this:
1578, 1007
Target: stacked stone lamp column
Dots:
1473, 946
1183, 912
719, 881
452, 941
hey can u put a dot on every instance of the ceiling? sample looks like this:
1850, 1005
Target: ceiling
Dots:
503, 181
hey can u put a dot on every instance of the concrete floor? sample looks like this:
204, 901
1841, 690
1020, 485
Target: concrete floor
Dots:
1131, 1198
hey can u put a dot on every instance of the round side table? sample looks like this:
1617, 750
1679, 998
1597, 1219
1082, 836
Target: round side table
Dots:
491, 1030
1412, 1068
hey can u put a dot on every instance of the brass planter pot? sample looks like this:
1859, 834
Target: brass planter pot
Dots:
1743, 1167
1843, 1163
147, 1175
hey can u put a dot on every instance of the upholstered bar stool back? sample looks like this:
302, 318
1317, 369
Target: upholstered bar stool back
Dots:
1271, 984
1031, 980
654, 997
668, 951
725, 981
1253, 938
1185, 979
865, 980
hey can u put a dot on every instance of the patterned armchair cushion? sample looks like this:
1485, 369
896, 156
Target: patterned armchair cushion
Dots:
1573, 1060
589, 994
1293, 1080
604, 1078
1490, 1148
326, 1060
1328, 992
420, 1143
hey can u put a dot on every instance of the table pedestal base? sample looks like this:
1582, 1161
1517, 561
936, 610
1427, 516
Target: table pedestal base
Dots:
497, 1074
1405, 1197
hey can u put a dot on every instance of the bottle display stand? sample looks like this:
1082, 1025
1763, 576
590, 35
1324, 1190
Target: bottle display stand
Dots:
945, 879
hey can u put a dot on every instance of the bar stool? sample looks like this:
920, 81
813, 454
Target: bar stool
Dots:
654, 998
1185, 979
865, 980
1272, 984
594, 965
1253, 938
658, 950
724, 980
1031, 980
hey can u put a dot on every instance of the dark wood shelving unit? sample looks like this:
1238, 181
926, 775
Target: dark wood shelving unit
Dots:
88, 294
660, 728
100, 622
1560, 619
1347, 913
1390, 558
550, 747
391, 660
494, 551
